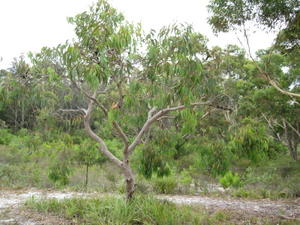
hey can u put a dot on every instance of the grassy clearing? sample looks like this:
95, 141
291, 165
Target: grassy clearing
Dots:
115, 211
143, 210
274, 180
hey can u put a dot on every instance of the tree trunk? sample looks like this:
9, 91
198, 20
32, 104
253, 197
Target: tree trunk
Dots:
86, 176
128, 148
291, 141
293, 150
294, 154
130, 182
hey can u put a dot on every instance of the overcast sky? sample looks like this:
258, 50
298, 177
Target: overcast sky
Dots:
28, 25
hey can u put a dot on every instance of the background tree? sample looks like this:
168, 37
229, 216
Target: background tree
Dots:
87, 154
283, 16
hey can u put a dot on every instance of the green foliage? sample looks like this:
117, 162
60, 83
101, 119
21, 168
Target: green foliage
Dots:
282, 15
213, 157
153, 160
60, 167
228, 13
252, 142
165, 185
59, 173
116, 211
5, 137
230, 180
87, 153
246, 123
155, 156
279, 176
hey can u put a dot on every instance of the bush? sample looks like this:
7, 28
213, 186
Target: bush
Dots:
214, 157
5, 137
230, 180
165, 185
59, 174
251, 141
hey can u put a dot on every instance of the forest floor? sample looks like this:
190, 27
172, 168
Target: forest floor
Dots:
13, 212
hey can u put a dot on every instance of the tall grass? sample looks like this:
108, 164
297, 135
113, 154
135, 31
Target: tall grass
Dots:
116, 211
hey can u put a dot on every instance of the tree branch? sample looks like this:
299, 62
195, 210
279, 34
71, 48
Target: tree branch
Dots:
81, 111
293, 128
152, 118
121, 132
271, 126
90, 97
103, 148
115, 124
265, 74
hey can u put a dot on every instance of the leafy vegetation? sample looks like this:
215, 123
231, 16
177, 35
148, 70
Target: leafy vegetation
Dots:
111, 210
141, 210
121, 110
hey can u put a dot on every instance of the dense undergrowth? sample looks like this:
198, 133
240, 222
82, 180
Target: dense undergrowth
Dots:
30, 160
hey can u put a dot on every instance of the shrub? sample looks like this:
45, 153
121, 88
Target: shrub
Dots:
251, 141
59, 173
165, 185
230, 180
214, 157
5, 137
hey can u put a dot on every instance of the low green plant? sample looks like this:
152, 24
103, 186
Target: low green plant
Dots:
230, 180
165, 185
244, 193
5, 137
59, 174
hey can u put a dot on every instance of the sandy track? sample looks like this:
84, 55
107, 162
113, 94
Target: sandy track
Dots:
10, 200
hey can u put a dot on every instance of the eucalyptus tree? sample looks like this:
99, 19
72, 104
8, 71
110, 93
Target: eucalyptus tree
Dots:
19, 95
281, 15
131, 80
256, 99
55, 91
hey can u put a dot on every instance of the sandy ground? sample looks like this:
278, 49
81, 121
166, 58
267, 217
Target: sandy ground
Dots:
10, 202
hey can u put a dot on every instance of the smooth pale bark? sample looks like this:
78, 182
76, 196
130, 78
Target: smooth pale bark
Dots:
291, 139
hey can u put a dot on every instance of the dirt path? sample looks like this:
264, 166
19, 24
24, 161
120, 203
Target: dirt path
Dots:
10, 201
288, 209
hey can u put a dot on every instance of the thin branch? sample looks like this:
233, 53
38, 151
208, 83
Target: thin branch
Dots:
293, 128
90, 97
271, 126
275, 85
265, 74
152, 118
121, 133
221, 107
115, 124
81, 111
166, 117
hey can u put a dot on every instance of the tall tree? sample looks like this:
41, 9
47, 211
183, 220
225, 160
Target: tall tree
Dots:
131, 89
